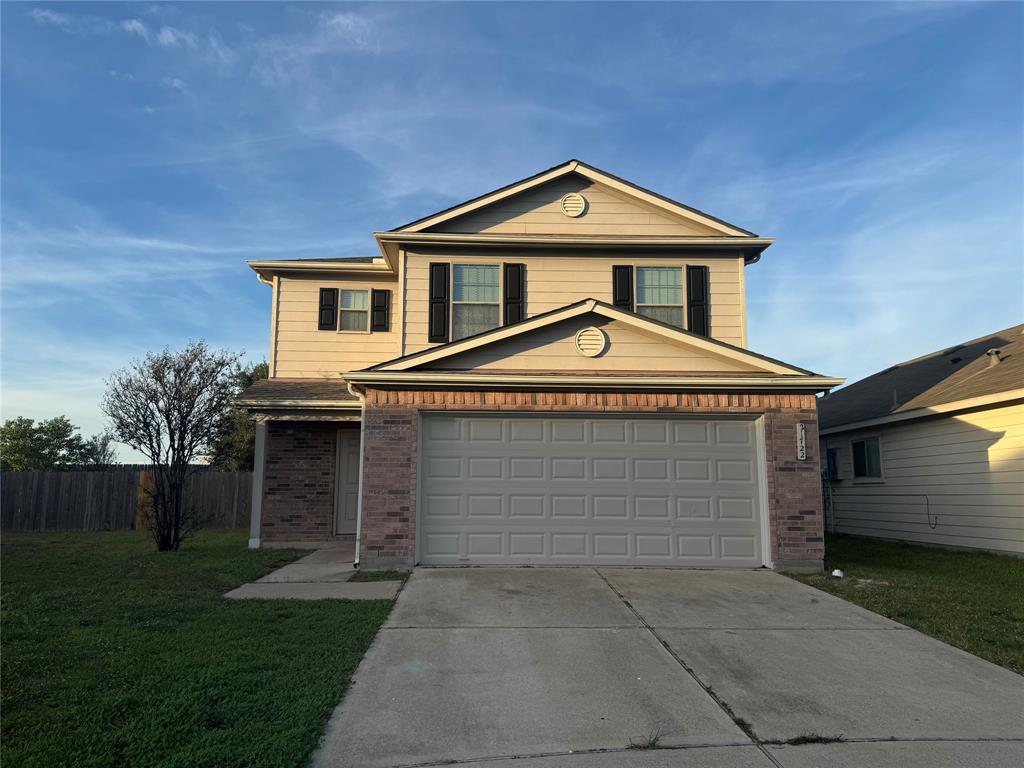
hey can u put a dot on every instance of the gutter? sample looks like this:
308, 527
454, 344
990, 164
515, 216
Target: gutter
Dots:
283, 266
547, 381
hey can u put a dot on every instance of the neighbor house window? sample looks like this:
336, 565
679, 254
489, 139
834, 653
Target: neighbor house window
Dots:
355, 311
476, 299
831, 464
867, 459
659, 294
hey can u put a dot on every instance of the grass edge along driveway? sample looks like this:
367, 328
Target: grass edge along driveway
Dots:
117, 655
972, 600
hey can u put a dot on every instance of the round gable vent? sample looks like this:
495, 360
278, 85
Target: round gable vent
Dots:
591, 342
574, 204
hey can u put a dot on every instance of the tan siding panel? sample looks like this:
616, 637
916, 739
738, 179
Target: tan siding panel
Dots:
553, 349
555, 280
305, 352
608, 212
970, 466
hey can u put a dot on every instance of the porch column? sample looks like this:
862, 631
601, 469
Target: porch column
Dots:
258, 466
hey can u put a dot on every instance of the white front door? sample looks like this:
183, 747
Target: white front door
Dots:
347, 474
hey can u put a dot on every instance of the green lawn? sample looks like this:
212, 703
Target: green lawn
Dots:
973, 600
116, 655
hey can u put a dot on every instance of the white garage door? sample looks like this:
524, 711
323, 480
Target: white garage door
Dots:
582, 490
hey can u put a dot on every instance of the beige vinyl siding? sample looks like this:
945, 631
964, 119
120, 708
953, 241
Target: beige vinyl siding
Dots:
302, 351
970, 466
608, 212
553, 348
554, 280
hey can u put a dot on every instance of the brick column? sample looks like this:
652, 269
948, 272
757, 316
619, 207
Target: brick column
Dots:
388, 525
794, 491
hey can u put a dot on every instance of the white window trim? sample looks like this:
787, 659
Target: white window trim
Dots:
682, 292
853, 464
451, 292
364, 311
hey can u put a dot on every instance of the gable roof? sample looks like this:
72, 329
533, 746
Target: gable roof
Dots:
956, 374
417, 360
590, 172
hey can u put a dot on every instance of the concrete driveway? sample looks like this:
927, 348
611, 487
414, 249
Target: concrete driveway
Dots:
558, 668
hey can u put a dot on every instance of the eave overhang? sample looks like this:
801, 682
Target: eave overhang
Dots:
266, 269
266, 409
750, 247
550, 380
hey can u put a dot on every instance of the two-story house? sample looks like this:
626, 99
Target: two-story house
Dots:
553, 373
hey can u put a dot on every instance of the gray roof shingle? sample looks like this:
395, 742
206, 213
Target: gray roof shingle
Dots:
296, 390
956, 373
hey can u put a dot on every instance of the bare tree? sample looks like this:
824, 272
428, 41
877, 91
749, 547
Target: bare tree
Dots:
169, 406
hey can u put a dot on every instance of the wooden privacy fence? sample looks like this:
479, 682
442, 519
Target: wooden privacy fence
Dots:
113, 500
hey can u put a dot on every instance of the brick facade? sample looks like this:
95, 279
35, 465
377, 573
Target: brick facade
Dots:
298, 482
391, 442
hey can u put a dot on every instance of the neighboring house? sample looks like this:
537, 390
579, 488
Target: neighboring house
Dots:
552, 373
932, 450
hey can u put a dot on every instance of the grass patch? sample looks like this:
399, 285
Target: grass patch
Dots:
968, 599
117, 655
651, 741
380, 576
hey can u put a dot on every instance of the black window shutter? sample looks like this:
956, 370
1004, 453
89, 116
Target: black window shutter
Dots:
515, 293
380, 310
440, 300
698, 301
622, 287
328, 318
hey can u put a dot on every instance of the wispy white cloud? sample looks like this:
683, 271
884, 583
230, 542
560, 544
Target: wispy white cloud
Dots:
174, 83
220, 54
924, 255
286, 60
170, 37
136, 27
350, 29
46, 16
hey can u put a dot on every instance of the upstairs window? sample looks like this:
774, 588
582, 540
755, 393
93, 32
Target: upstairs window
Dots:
659, 294
355, 312
476, 299
867, 459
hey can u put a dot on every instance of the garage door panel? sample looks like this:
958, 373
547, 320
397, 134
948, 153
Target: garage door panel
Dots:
572, 431
589, 490
574, 548
729, 470
585, 504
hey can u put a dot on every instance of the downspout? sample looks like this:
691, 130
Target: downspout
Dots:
258, 471
354, 391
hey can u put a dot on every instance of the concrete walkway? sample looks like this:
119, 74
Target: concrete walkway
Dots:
552, 668
322, 575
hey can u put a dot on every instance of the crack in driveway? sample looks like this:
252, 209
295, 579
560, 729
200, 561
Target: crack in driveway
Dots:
742, 724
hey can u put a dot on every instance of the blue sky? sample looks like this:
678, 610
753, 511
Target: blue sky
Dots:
148, 150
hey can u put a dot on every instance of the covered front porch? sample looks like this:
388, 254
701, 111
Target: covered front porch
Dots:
306, 465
